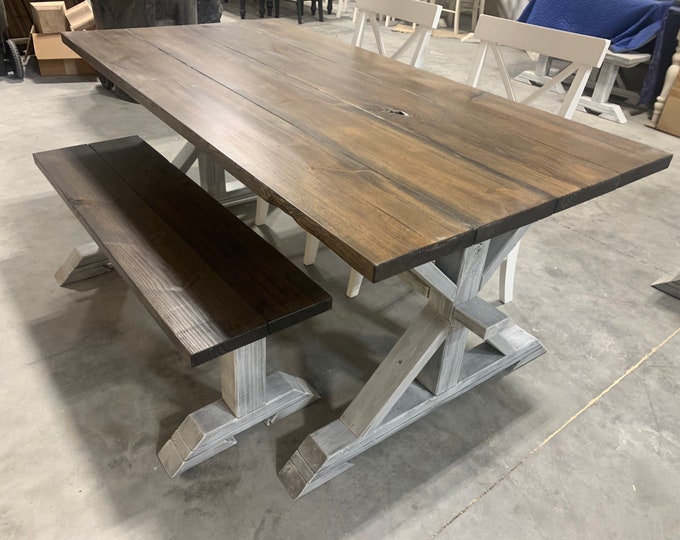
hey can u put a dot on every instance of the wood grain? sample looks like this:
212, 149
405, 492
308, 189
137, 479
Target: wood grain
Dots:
312, 125
207, 303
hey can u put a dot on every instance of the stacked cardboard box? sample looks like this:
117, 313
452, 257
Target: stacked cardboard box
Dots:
49, 19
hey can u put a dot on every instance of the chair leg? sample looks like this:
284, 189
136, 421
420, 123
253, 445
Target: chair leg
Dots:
507, 277
261, 210
311, 248
354, 283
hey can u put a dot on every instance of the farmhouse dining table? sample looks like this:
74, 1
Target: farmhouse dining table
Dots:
396, 170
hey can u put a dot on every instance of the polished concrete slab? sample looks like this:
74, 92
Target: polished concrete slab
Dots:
582, 443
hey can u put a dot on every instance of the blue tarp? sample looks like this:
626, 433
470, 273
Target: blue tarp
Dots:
629, 24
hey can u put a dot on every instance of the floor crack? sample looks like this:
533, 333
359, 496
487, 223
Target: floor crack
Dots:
556, 432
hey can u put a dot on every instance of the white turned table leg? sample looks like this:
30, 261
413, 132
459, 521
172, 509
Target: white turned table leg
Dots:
669, 80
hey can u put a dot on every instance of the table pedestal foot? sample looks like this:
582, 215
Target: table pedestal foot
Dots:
428, 366
326, 453
211, 429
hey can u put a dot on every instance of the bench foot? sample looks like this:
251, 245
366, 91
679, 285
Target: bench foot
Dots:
211, 429
608, 111
670, 287
82, 263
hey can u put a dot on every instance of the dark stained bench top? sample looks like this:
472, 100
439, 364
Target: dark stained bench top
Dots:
211, 282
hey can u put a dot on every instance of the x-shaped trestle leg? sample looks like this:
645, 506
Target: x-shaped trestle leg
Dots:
392, 399
211, 176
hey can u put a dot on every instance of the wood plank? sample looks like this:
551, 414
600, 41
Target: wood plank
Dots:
243, 126
589, 144
187, 298
470, 191
263, 277
242, 377
396, 372
459, 187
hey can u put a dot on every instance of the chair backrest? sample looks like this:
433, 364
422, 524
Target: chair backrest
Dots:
582, 52
424, 16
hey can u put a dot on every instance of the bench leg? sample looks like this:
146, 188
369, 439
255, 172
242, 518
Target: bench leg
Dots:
83, 262
248, 397
599, 102
389, 401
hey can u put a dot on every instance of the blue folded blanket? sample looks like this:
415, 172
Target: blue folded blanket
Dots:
629, 24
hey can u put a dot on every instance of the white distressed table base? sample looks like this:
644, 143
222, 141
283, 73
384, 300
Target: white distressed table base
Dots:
427, 367
326, 453
211, 429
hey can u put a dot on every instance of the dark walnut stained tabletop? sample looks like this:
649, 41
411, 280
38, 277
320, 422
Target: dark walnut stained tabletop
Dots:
388, 165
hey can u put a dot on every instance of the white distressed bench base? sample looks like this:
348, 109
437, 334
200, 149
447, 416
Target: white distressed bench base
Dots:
211, 429
606, 78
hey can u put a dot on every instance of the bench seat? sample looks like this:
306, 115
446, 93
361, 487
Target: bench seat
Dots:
211, 282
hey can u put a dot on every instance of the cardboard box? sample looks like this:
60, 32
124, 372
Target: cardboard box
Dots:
55, 58
80, 17
669, 121
49, 17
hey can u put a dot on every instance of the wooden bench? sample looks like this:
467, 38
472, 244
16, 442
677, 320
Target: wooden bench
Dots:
215, 286
608, 75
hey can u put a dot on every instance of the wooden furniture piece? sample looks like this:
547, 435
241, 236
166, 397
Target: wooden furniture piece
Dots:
582, 53
424, 18
423, 15
608, 75
215, 287
442, 192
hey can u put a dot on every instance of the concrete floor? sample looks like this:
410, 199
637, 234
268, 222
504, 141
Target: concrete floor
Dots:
582, 443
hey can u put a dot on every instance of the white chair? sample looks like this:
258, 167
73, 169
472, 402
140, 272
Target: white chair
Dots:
456, 7
424, 16
582, 53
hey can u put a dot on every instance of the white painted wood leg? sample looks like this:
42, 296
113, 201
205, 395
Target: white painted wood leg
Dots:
391, 399
540, 75
354, 283
311, 249
248, 397
507, 276
186, 157
599, 102
261, 211
83, 262
671, 286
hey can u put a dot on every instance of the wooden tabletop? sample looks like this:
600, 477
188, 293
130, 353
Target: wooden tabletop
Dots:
387, 165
